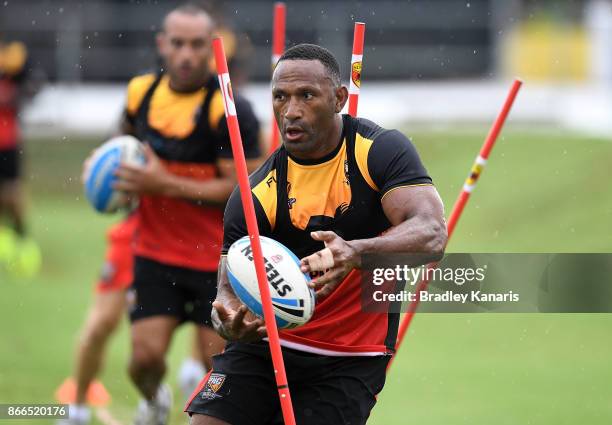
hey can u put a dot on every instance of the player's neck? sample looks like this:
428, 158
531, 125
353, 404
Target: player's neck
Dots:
326, 147
334, 139
182, 87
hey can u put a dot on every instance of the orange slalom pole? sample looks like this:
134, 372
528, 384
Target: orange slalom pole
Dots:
356, 66
278, 47
464, 196
251, 221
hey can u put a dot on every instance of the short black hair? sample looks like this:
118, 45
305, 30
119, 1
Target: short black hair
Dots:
189, 8
313, 52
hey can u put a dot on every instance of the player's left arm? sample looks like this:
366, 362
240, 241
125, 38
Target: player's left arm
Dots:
412, 206
154, 179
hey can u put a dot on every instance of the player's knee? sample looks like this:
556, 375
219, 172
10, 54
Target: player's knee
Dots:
108, 322
100, 331
101, 323
146, 358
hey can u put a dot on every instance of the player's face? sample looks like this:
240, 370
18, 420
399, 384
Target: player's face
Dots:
305, 104
185, 46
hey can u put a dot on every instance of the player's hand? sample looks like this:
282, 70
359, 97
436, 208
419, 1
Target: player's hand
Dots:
237, 323
336, 260
152, 178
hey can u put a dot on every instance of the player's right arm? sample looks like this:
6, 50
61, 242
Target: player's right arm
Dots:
230, 317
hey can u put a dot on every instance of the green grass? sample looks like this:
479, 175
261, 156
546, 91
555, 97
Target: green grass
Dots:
541, 192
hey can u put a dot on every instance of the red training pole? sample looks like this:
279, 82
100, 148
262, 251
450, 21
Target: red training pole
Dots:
278, 47
464, 196
249, 213
356, 66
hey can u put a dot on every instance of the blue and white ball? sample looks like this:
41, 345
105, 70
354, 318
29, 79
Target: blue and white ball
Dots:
100, 176
293, 300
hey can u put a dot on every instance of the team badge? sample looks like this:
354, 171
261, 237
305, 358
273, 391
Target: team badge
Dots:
356, 73
346, 174
213, 385
290, 200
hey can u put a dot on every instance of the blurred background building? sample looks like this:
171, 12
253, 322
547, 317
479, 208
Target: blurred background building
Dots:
425, 60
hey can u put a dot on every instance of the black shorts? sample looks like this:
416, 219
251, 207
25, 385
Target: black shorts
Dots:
241, 390
10, 160
163, 290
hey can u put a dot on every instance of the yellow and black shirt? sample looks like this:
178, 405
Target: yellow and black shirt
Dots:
342, 193
13, 73
189, 133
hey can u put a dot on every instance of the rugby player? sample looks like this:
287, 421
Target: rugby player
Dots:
20, 252
104, 315
183, 187
337, 182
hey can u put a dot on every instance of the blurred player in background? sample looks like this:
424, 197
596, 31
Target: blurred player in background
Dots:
183, 188
19, 252
110, 299
239, 51
104, 316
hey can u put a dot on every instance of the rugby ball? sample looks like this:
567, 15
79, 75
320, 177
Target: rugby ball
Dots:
99, 175
293, 300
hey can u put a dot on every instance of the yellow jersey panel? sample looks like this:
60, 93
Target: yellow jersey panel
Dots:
265, 191
172, 114
136, 90
362, 149
318, 191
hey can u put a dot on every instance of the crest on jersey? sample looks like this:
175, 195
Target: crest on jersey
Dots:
213, 385
346, 174
131, 298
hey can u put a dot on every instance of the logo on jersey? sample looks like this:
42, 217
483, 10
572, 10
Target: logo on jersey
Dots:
356, 73
290, 201
271, 180
346, 174
213, 385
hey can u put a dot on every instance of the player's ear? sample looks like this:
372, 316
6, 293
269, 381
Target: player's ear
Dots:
160, 41
341, 98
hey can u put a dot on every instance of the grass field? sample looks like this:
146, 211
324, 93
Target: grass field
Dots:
541, 192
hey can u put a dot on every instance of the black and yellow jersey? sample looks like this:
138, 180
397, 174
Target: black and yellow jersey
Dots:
189, 133
13, 74
343, 193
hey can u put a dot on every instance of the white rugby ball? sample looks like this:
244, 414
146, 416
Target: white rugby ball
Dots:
293, 300
100, 176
